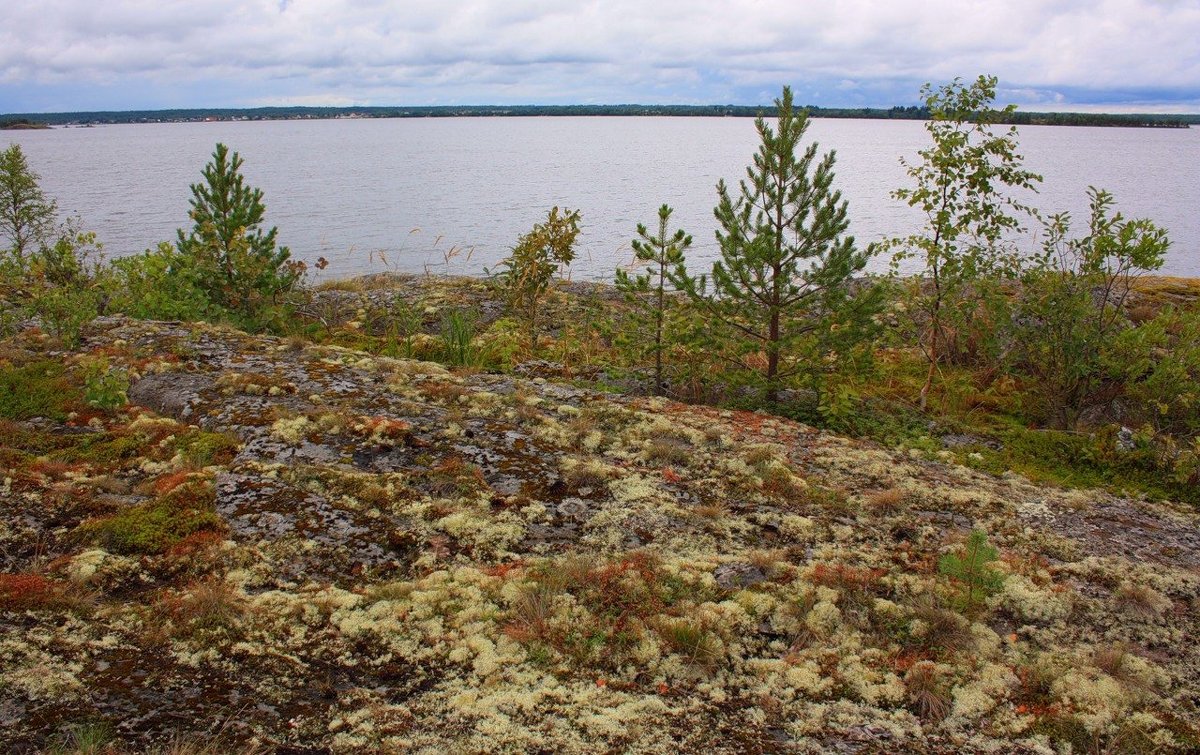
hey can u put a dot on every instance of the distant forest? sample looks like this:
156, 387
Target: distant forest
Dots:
19, 120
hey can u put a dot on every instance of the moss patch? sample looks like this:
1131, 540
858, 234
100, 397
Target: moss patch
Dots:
36, 389
154, 526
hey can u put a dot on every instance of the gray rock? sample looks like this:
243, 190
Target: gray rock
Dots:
169, 393
1125, 440
734, 576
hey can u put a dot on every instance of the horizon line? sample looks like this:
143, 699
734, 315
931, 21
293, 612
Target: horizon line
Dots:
550, 107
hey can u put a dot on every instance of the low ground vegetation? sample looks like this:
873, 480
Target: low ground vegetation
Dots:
390, 554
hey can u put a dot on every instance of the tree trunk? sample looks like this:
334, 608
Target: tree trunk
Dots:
658, 332
773, 358
533, 331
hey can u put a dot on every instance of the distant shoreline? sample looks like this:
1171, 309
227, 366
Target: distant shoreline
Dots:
200, 115
23, 125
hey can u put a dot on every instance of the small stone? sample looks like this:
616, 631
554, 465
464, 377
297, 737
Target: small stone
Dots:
733, 576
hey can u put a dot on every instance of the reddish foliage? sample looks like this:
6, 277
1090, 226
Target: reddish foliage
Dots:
51, 468
748, 421
905, 660
454, 469
522, 632
502, 570
784, 577
24, 591
195, 543
778, 485
169, 482
385, 427
85, 413
1030, 566
610, 590
843, 577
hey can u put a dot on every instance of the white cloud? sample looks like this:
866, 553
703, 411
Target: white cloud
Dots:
430, 51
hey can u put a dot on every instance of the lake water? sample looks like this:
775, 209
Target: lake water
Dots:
453, 194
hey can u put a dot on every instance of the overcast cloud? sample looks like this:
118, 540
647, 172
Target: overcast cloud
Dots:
1050, 54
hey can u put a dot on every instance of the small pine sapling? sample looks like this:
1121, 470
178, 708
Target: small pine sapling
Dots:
782, 292
227, 251
648, 291
971, 571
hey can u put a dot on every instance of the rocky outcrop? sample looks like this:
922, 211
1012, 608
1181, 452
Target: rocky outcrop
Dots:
407, 558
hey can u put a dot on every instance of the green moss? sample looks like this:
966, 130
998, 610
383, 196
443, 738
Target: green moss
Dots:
1066, 729
25, 442
104, 448
156, 525
202, 449
37, 389
1079, 461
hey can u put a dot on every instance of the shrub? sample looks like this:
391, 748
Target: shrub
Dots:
159, 284
64, 312
104, 386
960, 187
1073, 337
526, 274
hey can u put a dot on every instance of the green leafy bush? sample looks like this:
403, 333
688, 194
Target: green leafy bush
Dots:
104, 386
159, 284
526, 274
65, 311
48, 270
963, 186
1074, 339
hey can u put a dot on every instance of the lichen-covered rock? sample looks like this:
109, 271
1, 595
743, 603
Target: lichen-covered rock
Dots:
331, 551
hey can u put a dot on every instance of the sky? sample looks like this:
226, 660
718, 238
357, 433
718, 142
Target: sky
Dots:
1085, 55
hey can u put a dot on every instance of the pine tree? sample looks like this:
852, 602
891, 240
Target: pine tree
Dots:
782, 281
234, 260
972, 571
648, 290
27, 216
